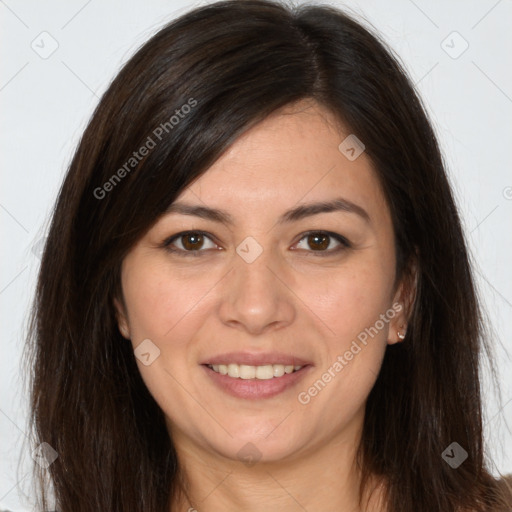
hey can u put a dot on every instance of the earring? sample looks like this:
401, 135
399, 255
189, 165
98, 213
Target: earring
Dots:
400, 335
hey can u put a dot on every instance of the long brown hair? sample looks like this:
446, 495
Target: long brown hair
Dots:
232, 64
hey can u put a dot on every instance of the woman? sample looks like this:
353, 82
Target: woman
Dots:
255, 290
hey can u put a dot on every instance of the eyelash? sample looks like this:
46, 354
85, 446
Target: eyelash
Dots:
345, 244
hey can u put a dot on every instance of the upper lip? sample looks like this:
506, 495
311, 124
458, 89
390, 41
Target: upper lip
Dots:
256, 359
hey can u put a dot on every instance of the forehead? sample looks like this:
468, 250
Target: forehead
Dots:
291, 157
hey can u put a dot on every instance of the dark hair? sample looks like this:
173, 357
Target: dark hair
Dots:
233, 63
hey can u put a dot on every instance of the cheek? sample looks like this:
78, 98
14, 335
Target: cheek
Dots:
162, 308
353, 299
158, 299
352, 307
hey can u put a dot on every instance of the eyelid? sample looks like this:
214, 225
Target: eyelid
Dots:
166, 244
344, 242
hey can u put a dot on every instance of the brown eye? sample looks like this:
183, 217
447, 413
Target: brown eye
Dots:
192, 241
320, 241
189, 243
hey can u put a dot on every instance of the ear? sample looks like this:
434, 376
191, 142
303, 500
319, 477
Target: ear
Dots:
403, 303
122, 320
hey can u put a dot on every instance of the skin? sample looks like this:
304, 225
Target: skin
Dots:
292, 300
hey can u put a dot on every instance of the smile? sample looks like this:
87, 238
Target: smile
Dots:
255, 382
243, 371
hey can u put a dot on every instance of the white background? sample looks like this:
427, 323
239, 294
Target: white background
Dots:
46, 102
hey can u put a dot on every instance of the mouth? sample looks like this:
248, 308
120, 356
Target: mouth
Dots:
255, 382
246, 372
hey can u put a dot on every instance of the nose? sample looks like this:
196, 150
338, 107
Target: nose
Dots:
255, 296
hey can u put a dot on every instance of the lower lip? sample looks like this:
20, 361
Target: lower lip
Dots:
256, 388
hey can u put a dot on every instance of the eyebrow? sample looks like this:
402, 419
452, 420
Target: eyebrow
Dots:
300, 212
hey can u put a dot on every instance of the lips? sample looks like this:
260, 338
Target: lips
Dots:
256, 359
251, 388
255, 389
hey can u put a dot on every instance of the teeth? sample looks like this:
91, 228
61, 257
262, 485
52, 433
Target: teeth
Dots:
246, 372
243, 371
234, 370
264, 372
278, 370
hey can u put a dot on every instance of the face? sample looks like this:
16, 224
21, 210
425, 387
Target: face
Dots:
257, 291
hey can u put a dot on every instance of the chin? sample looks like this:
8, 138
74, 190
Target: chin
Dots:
251, 448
